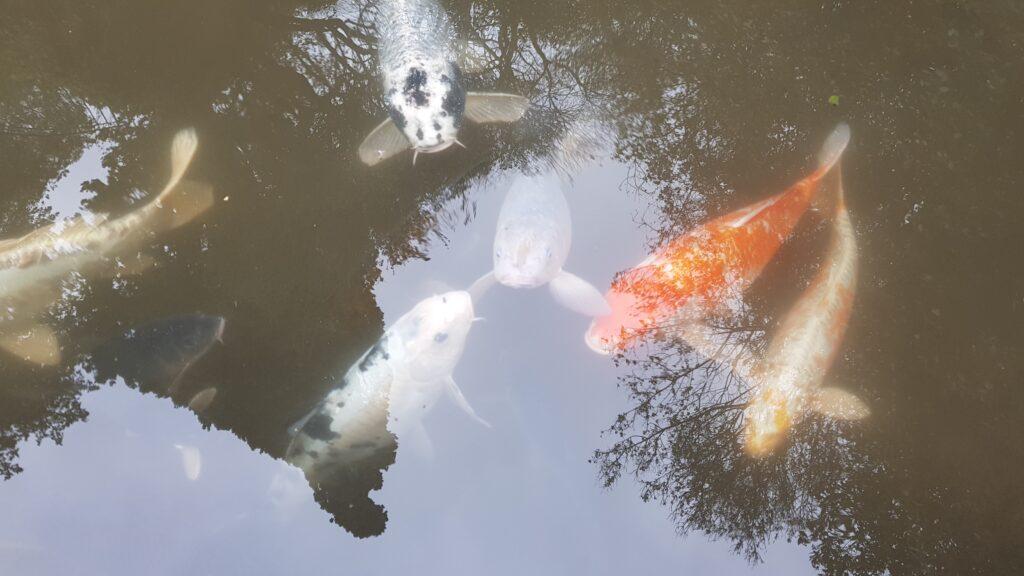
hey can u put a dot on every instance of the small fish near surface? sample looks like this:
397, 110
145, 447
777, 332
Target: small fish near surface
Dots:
707, 269
423, 86
191, 461
532, 243
156, 357
788, 381
386, 393
33, 267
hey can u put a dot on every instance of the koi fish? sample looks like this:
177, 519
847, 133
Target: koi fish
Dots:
387, 391
33, 266
532, 243
788, 381
705, 269
155, 357
424, 93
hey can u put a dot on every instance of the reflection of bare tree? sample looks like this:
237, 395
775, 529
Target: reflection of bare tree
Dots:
281, 99
715, 102
914, 491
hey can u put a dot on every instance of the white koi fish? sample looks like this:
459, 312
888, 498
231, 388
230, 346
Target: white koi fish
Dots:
788, 382
386, 393
32, 267
423, 87
532, 244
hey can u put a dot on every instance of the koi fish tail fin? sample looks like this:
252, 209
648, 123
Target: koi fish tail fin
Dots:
833, 148
182, 204
183, 148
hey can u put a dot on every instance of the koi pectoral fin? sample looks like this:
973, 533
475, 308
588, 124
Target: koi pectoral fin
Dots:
38, 345
201, 401
716, 346
481, 286
492, 107
383, 142
578, 295
461, 402
839, 404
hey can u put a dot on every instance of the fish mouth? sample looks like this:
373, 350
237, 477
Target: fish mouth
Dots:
435, 148
601, 345
520, 282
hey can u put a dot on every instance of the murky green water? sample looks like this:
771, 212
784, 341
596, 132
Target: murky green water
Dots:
592, 464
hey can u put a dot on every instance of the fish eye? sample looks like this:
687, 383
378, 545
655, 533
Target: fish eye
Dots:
440, 337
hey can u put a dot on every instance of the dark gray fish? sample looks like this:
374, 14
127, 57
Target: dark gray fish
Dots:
156, 356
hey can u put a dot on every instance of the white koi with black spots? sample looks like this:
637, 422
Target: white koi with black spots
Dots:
386, 393
423, 87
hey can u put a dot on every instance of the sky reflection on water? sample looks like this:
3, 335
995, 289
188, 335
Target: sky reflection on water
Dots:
519, 497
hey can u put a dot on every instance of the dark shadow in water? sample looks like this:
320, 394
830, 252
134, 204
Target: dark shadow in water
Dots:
718, 104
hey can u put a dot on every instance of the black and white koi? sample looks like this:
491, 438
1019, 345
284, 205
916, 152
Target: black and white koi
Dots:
423, 86
387, 391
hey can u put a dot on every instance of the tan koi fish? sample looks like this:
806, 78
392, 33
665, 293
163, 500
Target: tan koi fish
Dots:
32, 267
788, 382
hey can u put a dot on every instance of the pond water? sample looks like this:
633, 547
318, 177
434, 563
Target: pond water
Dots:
151, 400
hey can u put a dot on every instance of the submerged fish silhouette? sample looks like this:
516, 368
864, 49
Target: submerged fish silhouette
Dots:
155, 357
423, 87
709, 267
33, 266
532, 242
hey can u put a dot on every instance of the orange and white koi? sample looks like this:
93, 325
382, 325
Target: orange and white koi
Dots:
788, 381
704, 270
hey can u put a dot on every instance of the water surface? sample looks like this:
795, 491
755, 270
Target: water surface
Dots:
308, 255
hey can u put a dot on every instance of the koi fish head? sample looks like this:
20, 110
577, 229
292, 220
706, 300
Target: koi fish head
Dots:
525, 258
428, 105
639, 302
434, 332
767, 421
610, 334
